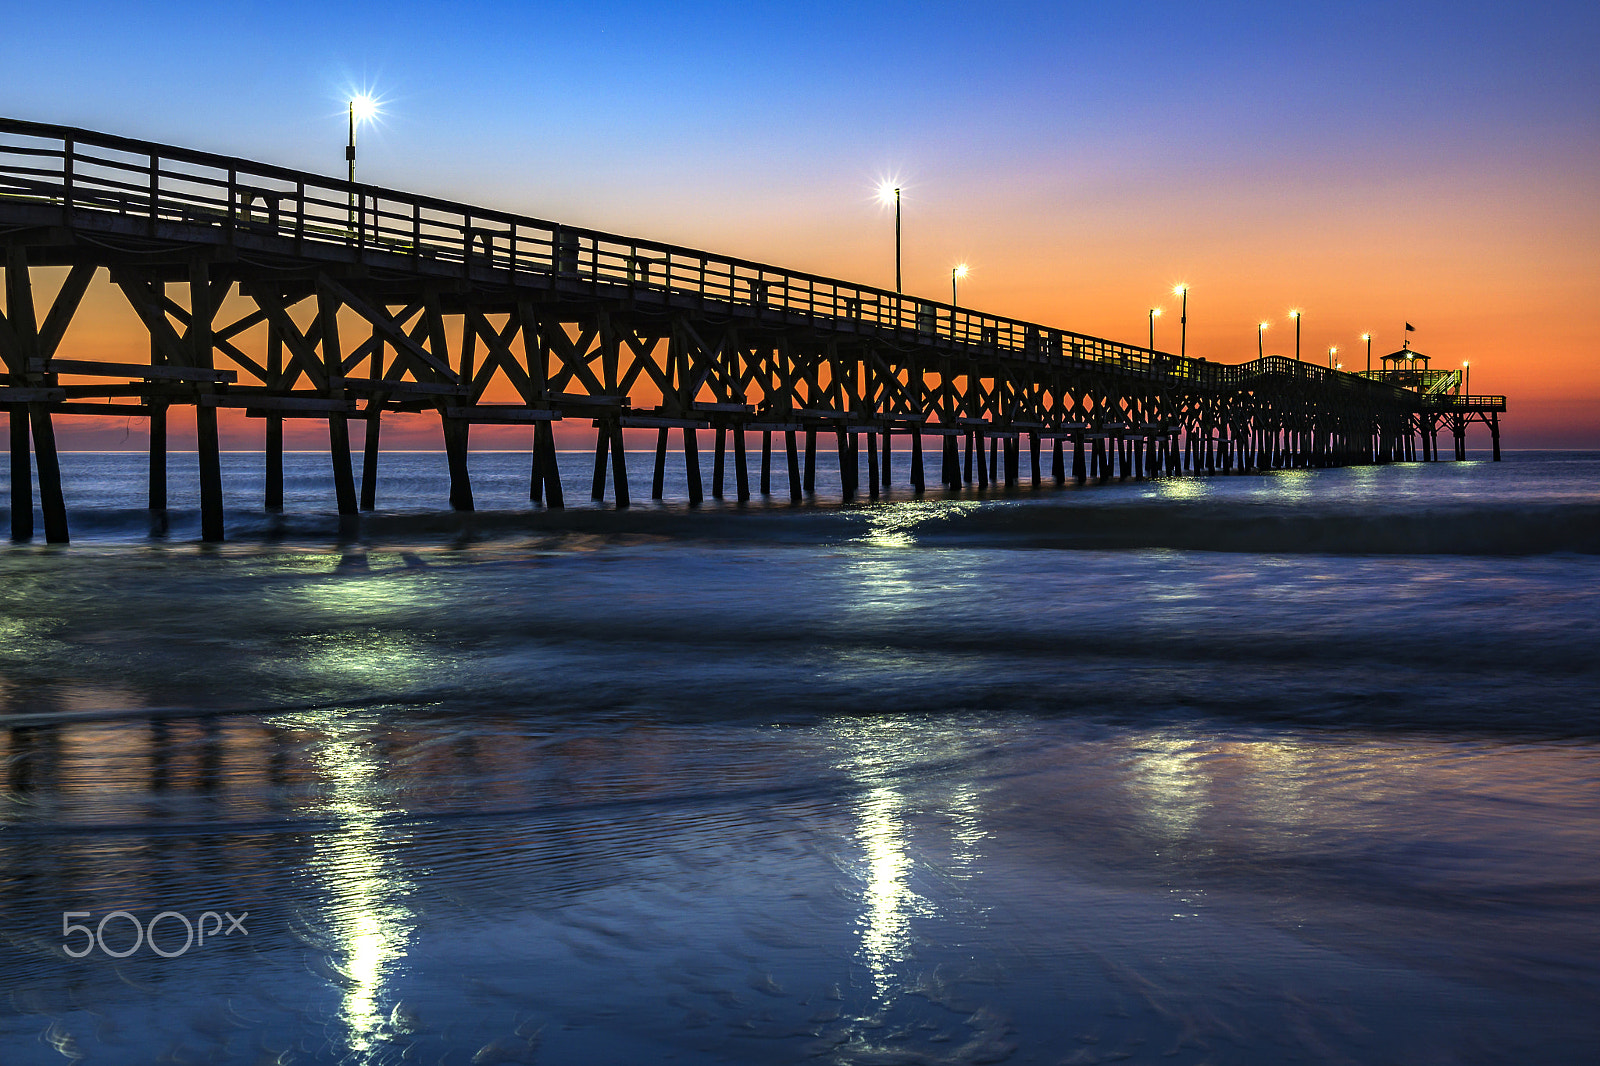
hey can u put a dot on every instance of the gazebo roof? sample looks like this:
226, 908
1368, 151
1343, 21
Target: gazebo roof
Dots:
1406, 355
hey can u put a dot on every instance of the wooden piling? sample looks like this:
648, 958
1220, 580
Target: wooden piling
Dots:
659, 478
846, 482
202, 311
766, 462
792, 452
741, 467
917, 481
273, 490
717, 462
872, 466
455, 448
344, 483
24, 347
21, 475
158, 457
619, 463
544, 437
1079, 471
369, 459
536, 468
983, 460
691, 466
1058, 463
810, 483
602, 448
209, 448
1033, 453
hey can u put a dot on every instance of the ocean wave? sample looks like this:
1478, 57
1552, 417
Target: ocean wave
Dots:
1227, 525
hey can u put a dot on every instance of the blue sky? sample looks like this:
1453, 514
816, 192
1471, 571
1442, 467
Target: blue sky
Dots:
1369, 161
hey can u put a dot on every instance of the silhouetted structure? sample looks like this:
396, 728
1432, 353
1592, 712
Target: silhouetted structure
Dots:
626, 332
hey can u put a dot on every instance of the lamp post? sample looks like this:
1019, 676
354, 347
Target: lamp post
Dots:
1155, 313
890, 193
1368, 338
1296, 316
957, 271
1466, 377
1183, 319
1260, 348
1331, 352
362, 108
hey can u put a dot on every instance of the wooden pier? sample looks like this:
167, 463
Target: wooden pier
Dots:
363, 301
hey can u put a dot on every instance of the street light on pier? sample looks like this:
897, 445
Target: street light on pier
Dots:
1368, 338
1260, 329
363, 108
957, 271
1183, 319
889, 193
1296, 316
1466, 371
1155, 313
1331, 352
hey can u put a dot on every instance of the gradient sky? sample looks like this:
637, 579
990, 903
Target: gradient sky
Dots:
1371, 164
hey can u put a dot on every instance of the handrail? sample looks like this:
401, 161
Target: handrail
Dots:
158, 183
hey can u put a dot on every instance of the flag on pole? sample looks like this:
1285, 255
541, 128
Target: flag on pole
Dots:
1410, 328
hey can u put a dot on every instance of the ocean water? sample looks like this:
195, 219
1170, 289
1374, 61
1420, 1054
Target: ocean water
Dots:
1295, 767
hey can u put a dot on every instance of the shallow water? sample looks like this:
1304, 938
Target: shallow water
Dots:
958, 779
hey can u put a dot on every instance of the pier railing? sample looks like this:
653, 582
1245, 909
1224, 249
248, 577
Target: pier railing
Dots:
98, 181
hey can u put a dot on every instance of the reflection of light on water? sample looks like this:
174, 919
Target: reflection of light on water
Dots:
889, 898
390, 658
1165, 778
1181, 488
894, 525
961, 802
365, 918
